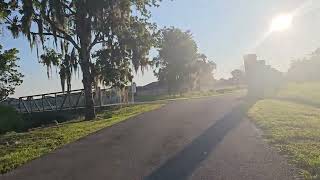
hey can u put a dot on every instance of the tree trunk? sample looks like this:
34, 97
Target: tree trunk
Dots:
83, 28
87, 85
87, 75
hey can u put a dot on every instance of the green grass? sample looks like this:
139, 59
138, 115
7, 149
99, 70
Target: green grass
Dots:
10, 120
308, 92
19, 148
292, 128
188, 95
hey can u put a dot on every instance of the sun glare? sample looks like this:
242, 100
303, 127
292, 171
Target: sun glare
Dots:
281, 23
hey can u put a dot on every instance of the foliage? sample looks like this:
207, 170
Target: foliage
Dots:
9, 75
237, 74
19, 148
122, 28
177, 50
112, 72
188, 95
67, 64
294, 129
178, 59
6, 8
306, 69
10, 120
203, 71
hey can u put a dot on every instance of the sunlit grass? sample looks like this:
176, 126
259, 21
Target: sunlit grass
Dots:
309, 92
190, 95
292, 128
19, 148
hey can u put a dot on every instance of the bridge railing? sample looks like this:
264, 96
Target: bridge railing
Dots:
59, 101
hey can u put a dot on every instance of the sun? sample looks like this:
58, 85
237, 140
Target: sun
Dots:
281, 23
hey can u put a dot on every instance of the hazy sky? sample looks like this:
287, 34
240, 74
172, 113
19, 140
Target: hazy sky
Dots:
223, 29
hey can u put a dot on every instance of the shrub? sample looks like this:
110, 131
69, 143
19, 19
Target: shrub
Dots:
10, 120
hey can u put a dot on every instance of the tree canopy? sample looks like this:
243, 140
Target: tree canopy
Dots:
238, 76
305, 69
203, 71
178, 63
66, 64
9, 75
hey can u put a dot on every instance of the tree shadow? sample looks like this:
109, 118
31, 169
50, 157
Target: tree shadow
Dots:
182, 165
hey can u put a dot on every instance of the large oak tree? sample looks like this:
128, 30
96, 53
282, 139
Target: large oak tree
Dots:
178, 63
120, 27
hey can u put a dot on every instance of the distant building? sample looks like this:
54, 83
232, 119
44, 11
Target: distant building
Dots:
261, 79
154, 88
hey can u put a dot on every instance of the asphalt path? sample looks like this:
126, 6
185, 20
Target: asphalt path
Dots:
196, 139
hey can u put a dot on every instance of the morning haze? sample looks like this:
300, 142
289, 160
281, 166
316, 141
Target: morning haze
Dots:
159, 89
223, 30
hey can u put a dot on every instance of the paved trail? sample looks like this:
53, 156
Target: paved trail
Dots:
199, 139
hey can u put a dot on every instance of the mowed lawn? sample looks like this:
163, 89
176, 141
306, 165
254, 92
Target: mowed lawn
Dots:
307, 92
19, 148
191, 95
294, 129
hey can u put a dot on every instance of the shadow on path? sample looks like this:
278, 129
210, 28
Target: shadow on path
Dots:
182, 165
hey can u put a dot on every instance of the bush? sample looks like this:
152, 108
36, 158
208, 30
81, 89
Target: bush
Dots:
10, 120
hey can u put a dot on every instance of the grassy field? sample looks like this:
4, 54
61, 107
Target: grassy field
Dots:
19, 148
308, 92
292, 128
193, 94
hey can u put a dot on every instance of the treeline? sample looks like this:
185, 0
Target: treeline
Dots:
305, 69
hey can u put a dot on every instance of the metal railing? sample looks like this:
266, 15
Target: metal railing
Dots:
59, 101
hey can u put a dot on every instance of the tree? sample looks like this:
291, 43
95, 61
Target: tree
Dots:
177, 51
66, 64
6, 8
238, 76
306, 69
203, 71
85, 25
114, 72
179, 64
9, 75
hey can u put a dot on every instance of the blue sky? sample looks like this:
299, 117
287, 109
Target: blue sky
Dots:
224, 30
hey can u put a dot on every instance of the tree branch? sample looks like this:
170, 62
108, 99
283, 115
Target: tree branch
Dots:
69, 8
95, 41
66, 35
62, 37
